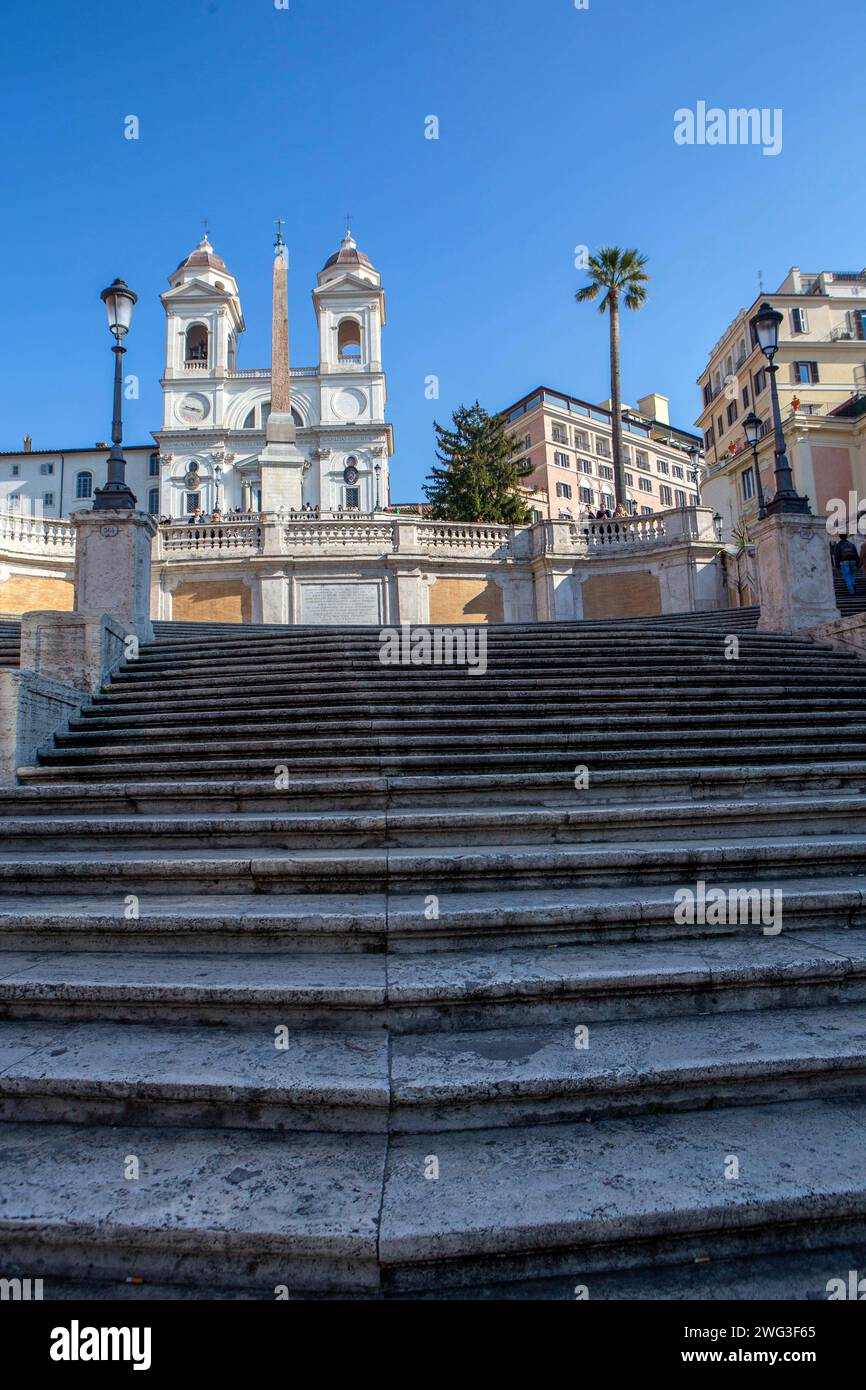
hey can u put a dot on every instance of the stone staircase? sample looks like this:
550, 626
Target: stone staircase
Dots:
10, 642
333, 1017
850, 603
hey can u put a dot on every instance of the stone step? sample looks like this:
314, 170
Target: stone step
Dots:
145, 1073
582, 1199
352, 1213
50, 791
367, 1082
429, 728
405, 922
446, 826
436, 991
188, 714
365, 747
430, 869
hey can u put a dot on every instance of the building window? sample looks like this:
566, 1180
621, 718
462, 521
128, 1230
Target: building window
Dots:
799, 321
352, 499
153, 501
667, 497
349, 340
748, 484
605, 471
46, 469
563, 490
677, 471
48, 499
84, 485
720, 426
153, 466
535, 516
561, 460
645, 484
760, 381
587, 496
585, 465
662, 466
646, 511
560, 434
16, 470
641, 459
581, 439
746, 398
602, 447
709, 438
191, 502
806, 373
682, 500
196, 343
733, 414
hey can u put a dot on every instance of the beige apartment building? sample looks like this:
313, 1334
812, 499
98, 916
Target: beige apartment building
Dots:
569, 443
821, 380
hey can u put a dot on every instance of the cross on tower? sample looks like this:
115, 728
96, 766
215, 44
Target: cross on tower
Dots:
348, 224
279, 223
204, 224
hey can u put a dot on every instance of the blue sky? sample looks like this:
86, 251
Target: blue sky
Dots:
556, 131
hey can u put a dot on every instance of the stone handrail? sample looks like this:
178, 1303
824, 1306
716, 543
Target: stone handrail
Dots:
305, 532
465, 536
34, 535
626, 532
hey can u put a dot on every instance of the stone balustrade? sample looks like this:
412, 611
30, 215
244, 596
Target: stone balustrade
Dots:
20, 534
216, 538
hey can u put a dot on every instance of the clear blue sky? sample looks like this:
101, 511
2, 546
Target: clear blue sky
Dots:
556, 130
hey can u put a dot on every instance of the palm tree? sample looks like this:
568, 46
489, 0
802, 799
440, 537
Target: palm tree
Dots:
621, 274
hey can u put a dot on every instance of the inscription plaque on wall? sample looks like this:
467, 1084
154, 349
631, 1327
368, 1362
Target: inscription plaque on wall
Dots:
339, 603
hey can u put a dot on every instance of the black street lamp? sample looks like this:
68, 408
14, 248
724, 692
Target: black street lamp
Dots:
117, 495
765, 326
378, 472
753, 427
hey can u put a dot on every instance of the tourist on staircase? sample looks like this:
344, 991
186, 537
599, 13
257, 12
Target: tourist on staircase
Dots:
846, 560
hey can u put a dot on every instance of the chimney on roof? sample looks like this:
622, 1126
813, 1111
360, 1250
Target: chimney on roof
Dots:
28, 443
655, 407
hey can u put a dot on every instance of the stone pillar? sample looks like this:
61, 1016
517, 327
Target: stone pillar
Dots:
795, 575
78, 649
112, 567
282, 463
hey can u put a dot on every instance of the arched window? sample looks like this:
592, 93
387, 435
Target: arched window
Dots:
349, 340
297, 419
153, 501
250, 421
196, 343
84, 485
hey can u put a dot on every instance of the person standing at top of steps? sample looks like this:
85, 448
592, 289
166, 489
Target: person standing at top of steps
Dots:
846, 560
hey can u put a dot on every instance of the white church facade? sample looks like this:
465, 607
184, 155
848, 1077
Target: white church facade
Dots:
208, 450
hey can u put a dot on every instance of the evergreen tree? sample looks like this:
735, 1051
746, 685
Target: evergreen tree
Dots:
478, 476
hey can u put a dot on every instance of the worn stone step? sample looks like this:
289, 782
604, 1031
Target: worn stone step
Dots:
236, 1078
686, 819
222, 1206
430, 870
427, 730
46, 790
436, 991
445, 921
577, 1199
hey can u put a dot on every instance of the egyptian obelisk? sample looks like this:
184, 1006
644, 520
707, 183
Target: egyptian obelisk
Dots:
282, 463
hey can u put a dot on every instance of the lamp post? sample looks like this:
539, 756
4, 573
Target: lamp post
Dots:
753, 426
765, 326
378, 472
718, 522
119, 302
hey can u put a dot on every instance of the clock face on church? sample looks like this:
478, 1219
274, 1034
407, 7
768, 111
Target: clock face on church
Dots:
193, 409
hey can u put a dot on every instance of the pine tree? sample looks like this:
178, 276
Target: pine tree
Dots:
479, 475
